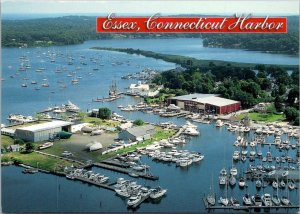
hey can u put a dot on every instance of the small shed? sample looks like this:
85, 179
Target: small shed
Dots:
14, 148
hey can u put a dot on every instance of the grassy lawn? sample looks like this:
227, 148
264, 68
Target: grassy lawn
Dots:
263, 117
98, 121
6, 141
159, 99
44, 162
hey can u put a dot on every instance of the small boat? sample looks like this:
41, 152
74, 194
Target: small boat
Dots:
266, 198
257, 200
132, 174
258, 184
234, 202
274, 184
282, 184
242, 182
232, 180
291, 185
285, 201
157, 193
224, 201
285, 173
276, 200
122, 192
247, 200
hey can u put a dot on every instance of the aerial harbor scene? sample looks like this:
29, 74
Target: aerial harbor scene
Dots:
125, 122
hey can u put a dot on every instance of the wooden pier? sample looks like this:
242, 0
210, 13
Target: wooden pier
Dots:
248, 208
126, 171
103, 185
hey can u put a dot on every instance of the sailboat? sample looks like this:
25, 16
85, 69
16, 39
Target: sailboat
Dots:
211, 197
275, 199
224, 200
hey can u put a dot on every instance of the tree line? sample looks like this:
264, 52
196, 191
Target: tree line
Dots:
249, 86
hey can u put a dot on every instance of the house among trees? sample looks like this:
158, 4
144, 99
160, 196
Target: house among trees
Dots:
138, 133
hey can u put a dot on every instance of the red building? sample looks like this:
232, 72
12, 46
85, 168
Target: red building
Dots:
205, 103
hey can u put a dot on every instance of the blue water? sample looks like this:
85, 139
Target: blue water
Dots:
43, 192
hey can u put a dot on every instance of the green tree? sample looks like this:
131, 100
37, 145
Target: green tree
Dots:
279, 103
296, 122
29, 147
104, 113
291, 113
281, 89
19, 141
138, 122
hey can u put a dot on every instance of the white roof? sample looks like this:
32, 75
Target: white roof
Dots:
45, 126
216, 101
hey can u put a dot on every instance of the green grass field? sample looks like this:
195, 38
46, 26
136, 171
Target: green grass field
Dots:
98, 121
34, 159
263, 117
6, 141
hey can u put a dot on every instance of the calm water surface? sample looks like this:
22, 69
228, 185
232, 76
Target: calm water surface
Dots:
44, 192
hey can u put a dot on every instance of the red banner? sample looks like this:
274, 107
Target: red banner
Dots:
157, 24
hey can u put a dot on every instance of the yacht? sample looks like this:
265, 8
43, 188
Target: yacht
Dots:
191, 131
134, 200
266, 198
247, 200
71, 107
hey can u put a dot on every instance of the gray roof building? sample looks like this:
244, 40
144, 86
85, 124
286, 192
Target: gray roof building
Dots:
137, 133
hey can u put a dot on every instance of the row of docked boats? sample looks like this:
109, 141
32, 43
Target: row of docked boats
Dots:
278, 131
88, 175
255, 200
136, 193
182, 158
19, 118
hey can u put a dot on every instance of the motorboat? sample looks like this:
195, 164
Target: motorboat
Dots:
45, 145
219, 123
257, 200
71, 107
247, 200
236, 155
233, 171
191, 131
242, 182
157, 193
232, 180
222, 180
266, 198
95, 146
274, 184
134, 200
291, 185
276, 200
224, 201
258, 184
285, 201
282, 184
234, 202
285, 173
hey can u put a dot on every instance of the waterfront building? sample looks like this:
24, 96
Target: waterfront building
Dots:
14, 148
138, 133
43, 131
139, 89
205, 103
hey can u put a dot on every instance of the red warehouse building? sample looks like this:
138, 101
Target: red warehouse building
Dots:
205, 103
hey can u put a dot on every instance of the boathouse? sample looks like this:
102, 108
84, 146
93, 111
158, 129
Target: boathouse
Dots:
138, 133
205, 103
43, 131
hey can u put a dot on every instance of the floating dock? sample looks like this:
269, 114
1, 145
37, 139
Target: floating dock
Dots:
125, 171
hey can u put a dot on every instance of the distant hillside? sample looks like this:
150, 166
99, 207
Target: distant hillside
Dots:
77, 29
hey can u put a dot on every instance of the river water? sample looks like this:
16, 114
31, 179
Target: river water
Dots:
43, 192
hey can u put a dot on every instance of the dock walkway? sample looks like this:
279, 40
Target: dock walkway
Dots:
125, 170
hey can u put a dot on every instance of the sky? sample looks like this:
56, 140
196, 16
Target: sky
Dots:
258, 7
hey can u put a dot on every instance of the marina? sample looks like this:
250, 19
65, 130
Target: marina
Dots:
187, 186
